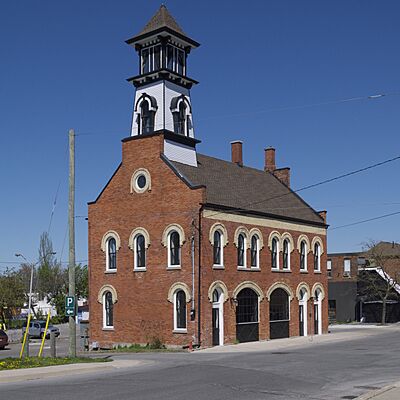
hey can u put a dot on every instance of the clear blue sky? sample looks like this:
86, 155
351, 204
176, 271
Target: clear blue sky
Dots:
64, 64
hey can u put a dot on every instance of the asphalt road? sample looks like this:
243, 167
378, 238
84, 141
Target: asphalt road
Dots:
353, 362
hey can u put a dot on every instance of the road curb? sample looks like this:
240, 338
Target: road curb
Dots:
374, 394
29, 374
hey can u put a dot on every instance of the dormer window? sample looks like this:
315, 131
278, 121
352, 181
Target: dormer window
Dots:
151, 59
175, 60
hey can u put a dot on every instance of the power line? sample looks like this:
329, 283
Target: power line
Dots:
317, 184
273, 109
297, 107
364, 221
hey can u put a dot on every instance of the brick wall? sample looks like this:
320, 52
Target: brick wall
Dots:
143, 311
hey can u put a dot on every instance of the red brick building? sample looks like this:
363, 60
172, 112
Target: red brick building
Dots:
189, 248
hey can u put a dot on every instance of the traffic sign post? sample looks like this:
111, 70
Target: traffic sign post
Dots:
70, 306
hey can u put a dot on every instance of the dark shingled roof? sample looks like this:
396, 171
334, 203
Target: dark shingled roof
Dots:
230, 185
162, 18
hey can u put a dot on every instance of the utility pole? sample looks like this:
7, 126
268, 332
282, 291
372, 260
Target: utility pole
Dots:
71, 223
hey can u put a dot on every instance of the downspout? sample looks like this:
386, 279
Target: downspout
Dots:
192, 310
199, 284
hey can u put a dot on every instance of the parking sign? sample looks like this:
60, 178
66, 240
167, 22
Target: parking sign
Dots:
70, 306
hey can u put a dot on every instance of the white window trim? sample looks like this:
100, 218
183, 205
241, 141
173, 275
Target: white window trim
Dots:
110, 327
257, 266
244, 266
304, 303
318, 258
135, 267
220, 306
319, 305
305, 269
176, 329
108, 269
346, 272
289, 251
170, 266
222, 241
277, 253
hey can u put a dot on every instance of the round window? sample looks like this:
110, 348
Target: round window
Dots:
141, 181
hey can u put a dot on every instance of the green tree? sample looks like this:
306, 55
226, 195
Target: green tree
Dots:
12, 293
52, 278
81, 281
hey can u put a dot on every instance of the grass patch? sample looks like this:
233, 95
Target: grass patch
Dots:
138, 348
34, 362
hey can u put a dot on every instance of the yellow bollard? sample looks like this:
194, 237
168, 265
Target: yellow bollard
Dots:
44, 335
26, 334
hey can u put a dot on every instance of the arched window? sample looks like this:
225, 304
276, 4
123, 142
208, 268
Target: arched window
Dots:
303, 256
317, 257
180, 310
254, 251
111, 254
218, 248
275, 253
146, 122
180, 119
174, 253
241, 251
108, 317
286, 254
216, 295
140, 252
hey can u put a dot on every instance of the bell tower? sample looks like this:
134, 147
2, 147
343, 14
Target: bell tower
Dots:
162, 99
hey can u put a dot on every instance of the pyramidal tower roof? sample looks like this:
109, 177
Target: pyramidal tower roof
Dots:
162, 19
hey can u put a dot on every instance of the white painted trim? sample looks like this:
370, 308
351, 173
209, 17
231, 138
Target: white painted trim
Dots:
176, 329
218, 227
178, 286
135, 176
106, 236
263, 221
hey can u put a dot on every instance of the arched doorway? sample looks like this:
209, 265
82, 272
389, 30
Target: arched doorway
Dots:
247, 316
217, 317
303, 312
279, 314
318, 312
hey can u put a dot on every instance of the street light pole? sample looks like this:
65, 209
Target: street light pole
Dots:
31, 282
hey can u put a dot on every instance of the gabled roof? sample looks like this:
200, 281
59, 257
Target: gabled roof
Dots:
246, 189
161, 19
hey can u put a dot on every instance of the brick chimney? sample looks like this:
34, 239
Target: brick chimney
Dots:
237, 154
269, 165
283, 174
322, 214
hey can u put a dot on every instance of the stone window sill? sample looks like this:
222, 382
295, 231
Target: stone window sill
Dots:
218, 267
111, 329
285, 271
139, 269
110, 271
303, 271
173, 267
184, 331
317, 272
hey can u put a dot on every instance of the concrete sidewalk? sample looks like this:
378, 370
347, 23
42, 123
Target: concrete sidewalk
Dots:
337, 333
27, 374
391, 392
